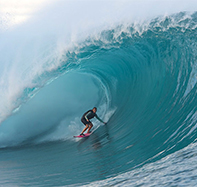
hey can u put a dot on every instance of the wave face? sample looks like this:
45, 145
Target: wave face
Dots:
142, 77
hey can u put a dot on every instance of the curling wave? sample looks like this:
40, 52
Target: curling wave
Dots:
142, 78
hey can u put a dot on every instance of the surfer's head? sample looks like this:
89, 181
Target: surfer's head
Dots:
94, 109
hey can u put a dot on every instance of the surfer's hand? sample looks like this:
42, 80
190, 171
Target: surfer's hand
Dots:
105, 123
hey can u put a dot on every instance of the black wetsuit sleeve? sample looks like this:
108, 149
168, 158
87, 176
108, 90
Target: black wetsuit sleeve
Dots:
87, 115
99, 119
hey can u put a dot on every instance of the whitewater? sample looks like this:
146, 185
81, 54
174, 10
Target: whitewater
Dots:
136, 61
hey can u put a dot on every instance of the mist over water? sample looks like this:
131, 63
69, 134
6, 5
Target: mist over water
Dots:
135, 61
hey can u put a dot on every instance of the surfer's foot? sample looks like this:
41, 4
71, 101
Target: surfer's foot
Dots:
82, 134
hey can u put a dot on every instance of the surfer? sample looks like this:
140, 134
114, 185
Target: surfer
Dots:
86, 120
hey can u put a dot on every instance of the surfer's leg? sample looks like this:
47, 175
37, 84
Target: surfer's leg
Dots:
90, 126
86, 123
85, 129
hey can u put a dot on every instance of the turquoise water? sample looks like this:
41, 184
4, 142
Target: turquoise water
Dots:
142, 78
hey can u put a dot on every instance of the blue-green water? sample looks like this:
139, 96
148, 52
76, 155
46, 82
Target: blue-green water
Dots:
141, 76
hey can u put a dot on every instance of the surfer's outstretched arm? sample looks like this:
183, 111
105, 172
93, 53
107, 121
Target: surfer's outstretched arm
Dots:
100, 119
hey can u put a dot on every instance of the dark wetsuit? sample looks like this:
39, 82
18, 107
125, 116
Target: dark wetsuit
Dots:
89, 115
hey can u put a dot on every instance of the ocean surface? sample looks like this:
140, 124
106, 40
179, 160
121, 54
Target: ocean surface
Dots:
139, 68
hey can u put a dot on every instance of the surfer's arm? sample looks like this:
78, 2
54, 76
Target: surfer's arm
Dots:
86, 116
100, 119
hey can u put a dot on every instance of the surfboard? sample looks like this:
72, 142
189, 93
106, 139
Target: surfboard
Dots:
80, 136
